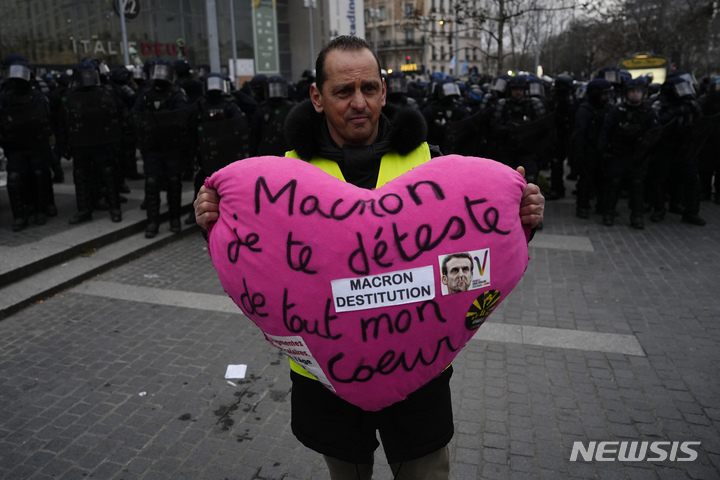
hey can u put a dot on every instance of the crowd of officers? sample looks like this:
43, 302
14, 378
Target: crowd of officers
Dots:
617, 136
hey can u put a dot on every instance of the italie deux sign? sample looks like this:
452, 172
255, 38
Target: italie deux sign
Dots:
373, 292
111, 47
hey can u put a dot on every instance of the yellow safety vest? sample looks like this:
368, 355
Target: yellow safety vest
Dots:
392, 165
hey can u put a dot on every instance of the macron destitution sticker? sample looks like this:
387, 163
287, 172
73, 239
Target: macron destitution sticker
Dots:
387, 289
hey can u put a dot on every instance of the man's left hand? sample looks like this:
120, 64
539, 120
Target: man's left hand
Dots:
532, 206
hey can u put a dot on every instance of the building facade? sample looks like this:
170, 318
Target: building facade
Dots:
423, 36
56, 34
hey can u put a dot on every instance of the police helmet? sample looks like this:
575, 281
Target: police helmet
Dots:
475, 93
637, 84
499, 84
714, 85
258, 86
63, 79
518, 82
100, 65
9, 60
596, 88
86, 74
396, 83
217, 82
447, 89
203, 69
18, 71
277, 87
563, 81
308, 75
182, 67
120, 76
678, 87
611, 74
688, 77
162, 71
536, 87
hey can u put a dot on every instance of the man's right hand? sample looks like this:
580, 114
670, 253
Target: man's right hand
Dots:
207, 207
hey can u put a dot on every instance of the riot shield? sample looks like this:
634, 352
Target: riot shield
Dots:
92, 118
164, 130
25, 126
220, 143
463, 137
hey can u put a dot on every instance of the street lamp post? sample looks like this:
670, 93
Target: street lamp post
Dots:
374, 14
310, 4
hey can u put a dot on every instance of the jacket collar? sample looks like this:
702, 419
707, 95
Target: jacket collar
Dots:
402, 130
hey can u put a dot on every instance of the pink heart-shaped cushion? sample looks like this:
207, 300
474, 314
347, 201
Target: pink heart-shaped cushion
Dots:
348, 282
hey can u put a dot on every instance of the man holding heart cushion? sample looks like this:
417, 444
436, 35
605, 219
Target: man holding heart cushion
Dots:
344, 130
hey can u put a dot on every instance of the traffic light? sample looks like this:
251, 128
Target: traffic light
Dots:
409, 59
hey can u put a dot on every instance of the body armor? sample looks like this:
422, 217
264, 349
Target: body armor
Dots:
92, 118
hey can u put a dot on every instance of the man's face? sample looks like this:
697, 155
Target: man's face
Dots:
459, 275
517, 93
634, 97
352, 98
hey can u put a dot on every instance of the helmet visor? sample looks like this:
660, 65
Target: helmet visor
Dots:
684, 89
277, 90
396, 85
88, 78
21, 72
612, 76
217, 84
163, 72
499, 85
449, 89
536, 90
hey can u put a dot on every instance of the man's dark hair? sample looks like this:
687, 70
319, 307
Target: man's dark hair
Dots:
345, 43
443, 268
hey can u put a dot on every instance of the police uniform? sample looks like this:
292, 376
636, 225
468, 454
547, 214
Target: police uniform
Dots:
164, 122
625, 150
24, 136
510, 118
586, 133
674, 171
93, 127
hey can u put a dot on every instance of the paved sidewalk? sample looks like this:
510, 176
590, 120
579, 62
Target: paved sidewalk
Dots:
612, 335
43, 259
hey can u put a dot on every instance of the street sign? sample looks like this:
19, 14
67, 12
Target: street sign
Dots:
132, 8
265, 36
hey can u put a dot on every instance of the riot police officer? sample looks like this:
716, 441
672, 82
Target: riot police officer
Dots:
274, 112
519, 125
121, 81
613, 75
92, 129
674, 173
397, 91
564, 104
25, 138
193, 88
586, 132
164, 120
223, 131
446, 108
625, 147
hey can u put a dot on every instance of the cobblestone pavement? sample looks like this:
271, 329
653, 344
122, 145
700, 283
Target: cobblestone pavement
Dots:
612, 335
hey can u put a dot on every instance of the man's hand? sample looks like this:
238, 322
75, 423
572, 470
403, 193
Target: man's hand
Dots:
207, 207
532, 205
